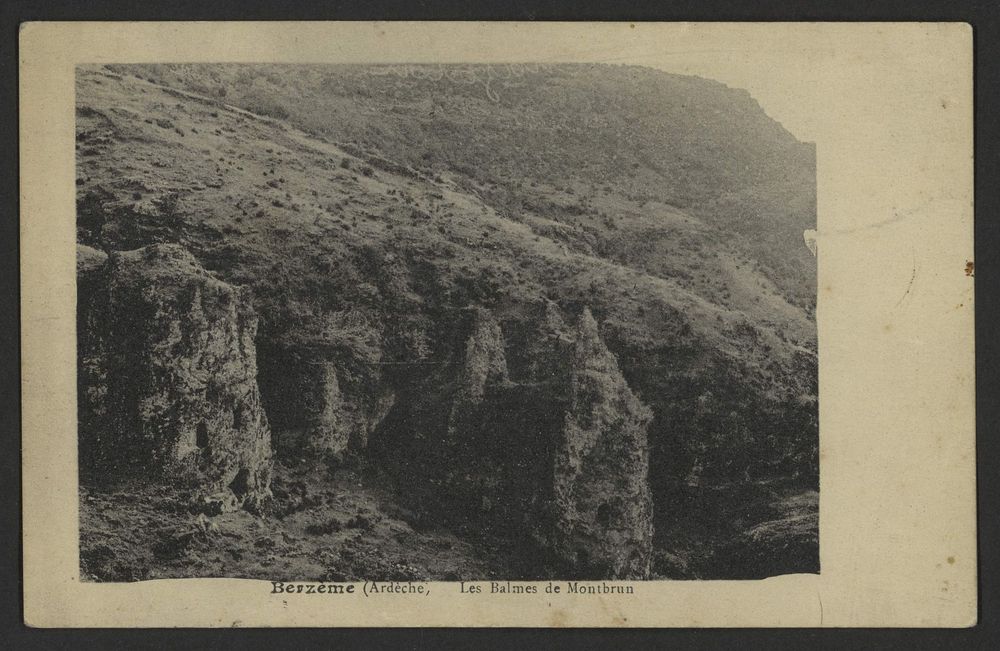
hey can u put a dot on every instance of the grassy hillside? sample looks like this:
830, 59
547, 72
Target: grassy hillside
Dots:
367, 208
592, 135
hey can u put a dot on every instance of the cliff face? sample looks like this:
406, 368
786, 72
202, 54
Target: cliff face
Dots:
92, 381
601, 466
484, 366
553, 451
173, 348
316, 404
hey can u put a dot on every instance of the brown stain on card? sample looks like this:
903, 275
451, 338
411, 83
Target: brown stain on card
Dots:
970, 268
617, 618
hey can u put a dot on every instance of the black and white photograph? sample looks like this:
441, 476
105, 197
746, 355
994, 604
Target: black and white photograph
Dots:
456, 322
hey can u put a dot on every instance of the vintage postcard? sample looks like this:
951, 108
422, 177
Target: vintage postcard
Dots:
497, 324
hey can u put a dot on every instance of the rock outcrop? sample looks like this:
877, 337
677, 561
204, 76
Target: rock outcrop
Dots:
314, 407
169, 370
549, 452
484, 366
89, 261
91, 375
601, 466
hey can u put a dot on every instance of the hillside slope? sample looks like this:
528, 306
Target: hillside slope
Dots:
370, 227
586, 144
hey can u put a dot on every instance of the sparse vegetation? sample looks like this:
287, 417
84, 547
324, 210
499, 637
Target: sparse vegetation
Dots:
624, 218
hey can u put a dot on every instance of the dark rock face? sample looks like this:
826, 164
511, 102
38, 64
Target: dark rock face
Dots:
339, 416
484, 366
549, 451
316, 411
601, 468
92, 375
169, 373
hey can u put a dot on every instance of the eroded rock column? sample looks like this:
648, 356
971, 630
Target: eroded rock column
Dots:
180, 401
557, 444
601, 466
484, 366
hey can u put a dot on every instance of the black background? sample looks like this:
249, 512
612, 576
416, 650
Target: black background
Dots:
981, 14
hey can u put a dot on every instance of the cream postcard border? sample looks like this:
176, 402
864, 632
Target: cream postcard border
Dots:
890, 108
